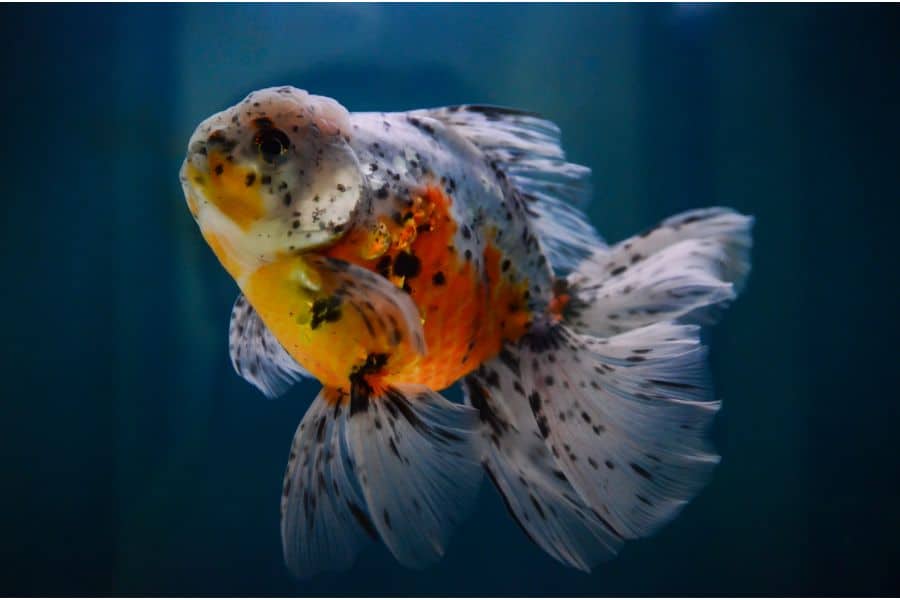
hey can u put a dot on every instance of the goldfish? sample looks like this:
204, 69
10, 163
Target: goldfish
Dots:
392, 255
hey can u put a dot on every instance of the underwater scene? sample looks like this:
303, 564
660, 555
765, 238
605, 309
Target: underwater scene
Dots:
149, 417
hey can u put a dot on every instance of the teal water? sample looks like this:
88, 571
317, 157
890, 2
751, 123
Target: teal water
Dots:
134, 461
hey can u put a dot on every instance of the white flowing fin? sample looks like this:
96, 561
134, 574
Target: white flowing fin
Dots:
324, 520
527, 150
388, 316
624, 417
689, 266
537, 494
256, 355
417, 466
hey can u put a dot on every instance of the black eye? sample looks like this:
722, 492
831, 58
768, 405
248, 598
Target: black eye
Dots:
272, 143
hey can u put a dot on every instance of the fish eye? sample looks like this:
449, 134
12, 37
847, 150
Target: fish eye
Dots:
271, 144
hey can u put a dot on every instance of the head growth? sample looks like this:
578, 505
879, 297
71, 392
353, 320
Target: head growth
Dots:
272, 175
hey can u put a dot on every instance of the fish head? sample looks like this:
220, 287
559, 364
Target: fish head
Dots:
272, 175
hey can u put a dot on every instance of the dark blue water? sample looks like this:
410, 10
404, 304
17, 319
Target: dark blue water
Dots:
134, 461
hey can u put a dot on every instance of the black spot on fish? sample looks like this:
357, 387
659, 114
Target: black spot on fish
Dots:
495, 112
325, 310
478, 398
383, 266
363, 520
537, 506
407, 265
641, 471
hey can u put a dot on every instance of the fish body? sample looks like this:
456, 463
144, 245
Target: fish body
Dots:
389, 255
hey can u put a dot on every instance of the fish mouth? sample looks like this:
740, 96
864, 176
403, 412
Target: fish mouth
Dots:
229, 208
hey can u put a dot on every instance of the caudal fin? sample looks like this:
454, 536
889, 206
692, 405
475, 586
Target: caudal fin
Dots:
595, 427
398, 465
688, 267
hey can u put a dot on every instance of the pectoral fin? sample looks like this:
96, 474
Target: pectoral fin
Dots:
387, 314
256, 355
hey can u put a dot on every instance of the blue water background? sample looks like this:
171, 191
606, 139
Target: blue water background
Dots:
134, 461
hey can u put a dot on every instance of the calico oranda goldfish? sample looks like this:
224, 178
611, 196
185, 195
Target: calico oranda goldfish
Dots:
389, 255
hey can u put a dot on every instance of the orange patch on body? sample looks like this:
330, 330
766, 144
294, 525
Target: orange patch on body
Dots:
465, 318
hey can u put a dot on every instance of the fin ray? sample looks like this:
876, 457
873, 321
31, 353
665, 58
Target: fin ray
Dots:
537, 494
626, 418
689, 267
324, 520
389, 314
256, 355
528, 149
416, 465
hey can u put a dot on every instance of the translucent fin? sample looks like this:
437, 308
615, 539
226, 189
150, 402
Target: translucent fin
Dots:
689, 266
324, 520
527, 149
536, 492
417, 466
387, 314
256, 355
625, 418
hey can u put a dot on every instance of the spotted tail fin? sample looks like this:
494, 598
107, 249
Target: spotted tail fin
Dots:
625, 418
594, 441
595, 427
516, 458
399, 464
689, 267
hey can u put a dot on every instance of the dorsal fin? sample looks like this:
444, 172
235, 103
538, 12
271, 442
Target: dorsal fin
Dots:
528, 149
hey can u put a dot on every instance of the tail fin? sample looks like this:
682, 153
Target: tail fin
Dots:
399, 465
688, 267
625, 418
595, 427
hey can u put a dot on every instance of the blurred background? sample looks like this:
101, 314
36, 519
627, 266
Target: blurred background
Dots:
134, 461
